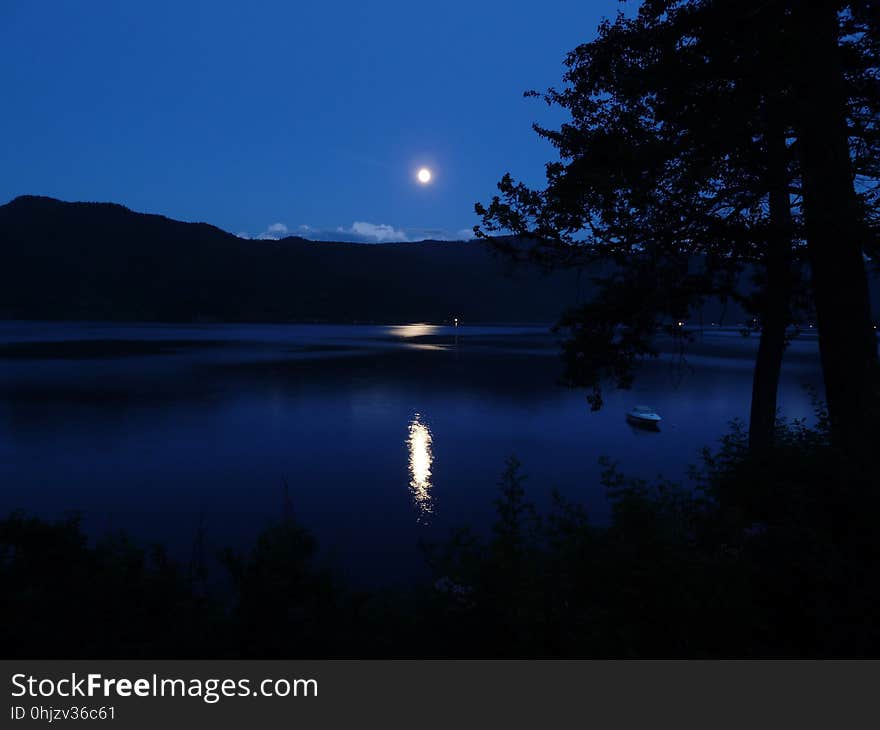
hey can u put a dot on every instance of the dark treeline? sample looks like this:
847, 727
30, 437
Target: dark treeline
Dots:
756, 557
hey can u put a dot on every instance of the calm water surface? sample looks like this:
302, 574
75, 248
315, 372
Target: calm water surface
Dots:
385, 436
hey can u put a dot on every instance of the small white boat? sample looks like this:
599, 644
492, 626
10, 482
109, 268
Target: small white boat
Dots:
644, 417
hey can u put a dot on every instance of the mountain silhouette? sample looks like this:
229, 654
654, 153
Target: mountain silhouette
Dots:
103, 261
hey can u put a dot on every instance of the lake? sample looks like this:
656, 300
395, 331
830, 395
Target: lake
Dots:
383, 435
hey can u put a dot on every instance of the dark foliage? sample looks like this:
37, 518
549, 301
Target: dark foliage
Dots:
768, 556
774, 555
62, 596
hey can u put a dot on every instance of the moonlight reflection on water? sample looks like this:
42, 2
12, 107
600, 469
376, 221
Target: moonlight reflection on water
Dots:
420, 458
205, 418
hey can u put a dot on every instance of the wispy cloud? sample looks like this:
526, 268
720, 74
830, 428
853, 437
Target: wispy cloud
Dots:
274, 232
357, 232
378, 232
361, 232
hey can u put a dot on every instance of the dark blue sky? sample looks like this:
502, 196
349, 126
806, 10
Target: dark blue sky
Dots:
248, 114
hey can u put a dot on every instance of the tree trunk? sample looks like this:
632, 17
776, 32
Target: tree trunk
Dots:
834, 228
777, 292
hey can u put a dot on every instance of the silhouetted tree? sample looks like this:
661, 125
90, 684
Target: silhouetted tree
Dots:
681, 166
836, 226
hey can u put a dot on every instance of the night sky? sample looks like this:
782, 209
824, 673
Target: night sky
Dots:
267, 117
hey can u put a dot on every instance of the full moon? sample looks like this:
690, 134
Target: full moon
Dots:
424, 176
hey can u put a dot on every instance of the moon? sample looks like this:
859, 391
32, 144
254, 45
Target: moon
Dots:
424, 176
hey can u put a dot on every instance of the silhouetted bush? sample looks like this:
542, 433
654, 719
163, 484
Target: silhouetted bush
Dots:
774, 555
62, 597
